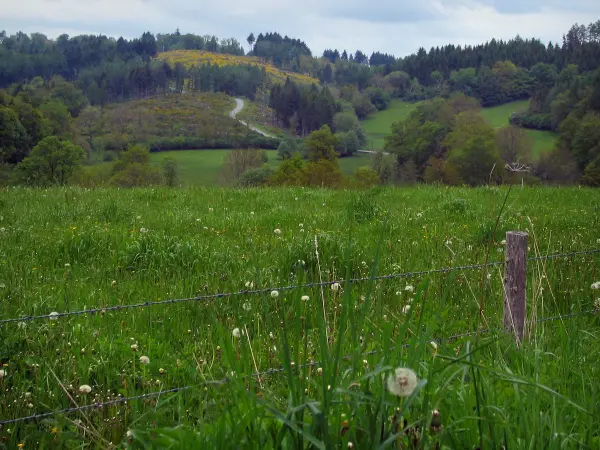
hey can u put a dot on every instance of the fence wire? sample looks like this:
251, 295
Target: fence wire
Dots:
265, 373
212, 297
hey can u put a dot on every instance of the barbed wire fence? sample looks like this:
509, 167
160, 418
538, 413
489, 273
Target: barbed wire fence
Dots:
278, 370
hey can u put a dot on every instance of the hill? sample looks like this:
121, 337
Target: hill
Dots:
191, 58
176, 121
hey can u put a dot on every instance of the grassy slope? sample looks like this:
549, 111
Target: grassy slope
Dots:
498, 116
66, 249
202, 167
197, 57
379, 124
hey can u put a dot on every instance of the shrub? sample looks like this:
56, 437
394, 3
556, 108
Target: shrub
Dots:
365, 177
257, 176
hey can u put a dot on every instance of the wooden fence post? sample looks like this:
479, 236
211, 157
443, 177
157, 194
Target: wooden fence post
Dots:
515, 283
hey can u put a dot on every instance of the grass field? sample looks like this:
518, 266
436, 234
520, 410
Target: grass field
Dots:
202, 167
497, 116
73, 249
379, 124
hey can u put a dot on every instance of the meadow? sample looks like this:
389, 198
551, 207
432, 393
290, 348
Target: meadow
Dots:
203, 167
378, 125
78, 249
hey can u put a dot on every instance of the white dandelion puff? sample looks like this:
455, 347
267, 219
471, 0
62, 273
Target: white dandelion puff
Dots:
143, 230
335, 287
2, 373
249, 284
53, 315
274, 294
144, 360
85, 389
403, 382
277, 231
247, 306
596, 285
409, 288
406, 309
305, 298
236, 333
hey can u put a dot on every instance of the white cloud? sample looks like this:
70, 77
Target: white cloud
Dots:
389, 26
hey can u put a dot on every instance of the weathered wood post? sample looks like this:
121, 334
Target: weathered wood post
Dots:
515, 283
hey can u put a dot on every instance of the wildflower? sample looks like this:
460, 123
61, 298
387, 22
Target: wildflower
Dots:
53, 315
30, 405
350, 445
277, 231
85, 389
403, 382
134, 347
274, 294
21, 325
210, 210
305, 298
503, 242
236, 333
139, 217
271, 335
129, 434
83, 351
247, 306
448, 242
409, 288
114, 283
319, 371
335, 287
144, 360
67, 265
2, 230
596, 285
2, 373
433, 345
143, 230
162, 371
251, 213
301, 225
406, 309
249, 284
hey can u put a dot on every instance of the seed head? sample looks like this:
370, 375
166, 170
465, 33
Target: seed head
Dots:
144, 360
85, 389
236, 333
274, 294
403, 382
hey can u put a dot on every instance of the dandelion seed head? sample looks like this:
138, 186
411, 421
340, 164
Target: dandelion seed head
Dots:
277, 231
53, 315
143, 230
85, 389
305, 298
236, 333
406, 309
249, 284
335, 287
144, 360
134, 347
409, 288
274, 294
2, 373
247, 306
596, 285
402, 382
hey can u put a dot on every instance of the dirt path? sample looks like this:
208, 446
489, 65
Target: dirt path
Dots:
239, 105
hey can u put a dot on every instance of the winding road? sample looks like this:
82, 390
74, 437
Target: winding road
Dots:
239, 105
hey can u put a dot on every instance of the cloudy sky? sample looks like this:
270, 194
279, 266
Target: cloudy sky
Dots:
398, 27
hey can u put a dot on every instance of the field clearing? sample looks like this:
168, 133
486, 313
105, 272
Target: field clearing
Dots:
197, 57
71, 249
202, 167
497, 116
378, 126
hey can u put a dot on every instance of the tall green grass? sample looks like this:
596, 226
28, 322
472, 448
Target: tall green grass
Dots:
66, 249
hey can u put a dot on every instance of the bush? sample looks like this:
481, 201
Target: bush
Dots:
137, 175
254, 177
239, 161
365, 177
534, 121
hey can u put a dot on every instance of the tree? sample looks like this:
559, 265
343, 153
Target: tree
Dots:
348, 143
52, 161
362, 106
586, 142
90, 123
472, 149
251, 40
13, 136
287, 147
239, 161
515, 147
170, 167
321, 144
133, 169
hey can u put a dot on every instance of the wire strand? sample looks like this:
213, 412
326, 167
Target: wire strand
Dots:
268, 372
211, 297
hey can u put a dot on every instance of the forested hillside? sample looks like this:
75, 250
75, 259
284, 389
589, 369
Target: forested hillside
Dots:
71, 88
